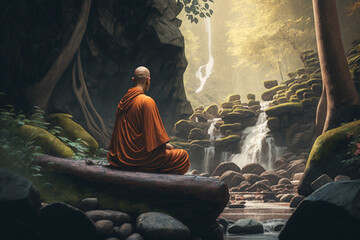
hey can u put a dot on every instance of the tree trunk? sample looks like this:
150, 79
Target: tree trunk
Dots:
40, 93
321, 112
343, 103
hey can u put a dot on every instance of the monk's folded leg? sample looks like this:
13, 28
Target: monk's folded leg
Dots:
177, 162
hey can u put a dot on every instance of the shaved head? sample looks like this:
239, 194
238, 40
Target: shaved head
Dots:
141, 74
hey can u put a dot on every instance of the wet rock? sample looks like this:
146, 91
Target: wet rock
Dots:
246, 226
286, 198
225, 166
62, 221
198, 134
321, 181
272, 176
194, 172
104, 227
331, 212
254, 168
257, 187
297, 176
229, 178
284, 181
88, 204
252, 178
204, 175
283, 173
116, 217
296, 200
233, 127
279, 227
341, 178
135, 236
154, 225
211, 111
280, 164
270, 83
266, 182
243, 186
124, 231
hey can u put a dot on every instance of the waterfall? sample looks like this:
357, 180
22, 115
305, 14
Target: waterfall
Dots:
209, 66
209, 152
256, 145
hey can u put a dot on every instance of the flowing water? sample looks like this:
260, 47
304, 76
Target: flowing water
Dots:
209, 152
209, 66
256, 145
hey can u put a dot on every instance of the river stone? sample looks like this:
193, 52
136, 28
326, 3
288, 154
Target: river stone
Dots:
254, 168
296, 200
124, 230
62, 221
88, 204
252, 178
243, 186
280, 164
286, 197
321, 181
229, 179
246, 226
104, 227
135, 236
331, 212
283, 173
155, 225
284, 181
198, 134
225, 166
272, 176
19, 206
266, 182
341, 178
270, 83
258, 186
116, 217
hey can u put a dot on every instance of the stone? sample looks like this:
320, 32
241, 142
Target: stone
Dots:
124, 231
194, 172
254, 168
284, 108
88, 204
234, 127
326, 155
198, 117
296, 200
284, 181
320, 181
211, 111
272, 176
135, 236
154, 225
297, 176
243, 186
116, 217
250, 96
283, 173
286, 197
104, 227
223, 221
268, 84
232, 97
198, 134
293, 169
225, 166
19, 206
280, 164
341, 178
274, 123
204, 175
269, 94
246, 226
258, 187
252, 178
266, 182
278, 227
226, 105
228, 178
61, 221
332, 212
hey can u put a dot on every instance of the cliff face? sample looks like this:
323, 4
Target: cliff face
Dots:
120, 35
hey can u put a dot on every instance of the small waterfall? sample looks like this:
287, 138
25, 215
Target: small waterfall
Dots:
209, 66
257, 146
209, 152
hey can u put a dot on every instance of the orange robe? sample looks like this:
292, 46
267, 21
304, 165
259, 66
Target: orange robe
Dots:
139, 138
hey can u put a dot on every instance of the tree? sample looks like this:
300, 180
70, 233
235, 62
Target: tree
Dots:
194, 8
339, 99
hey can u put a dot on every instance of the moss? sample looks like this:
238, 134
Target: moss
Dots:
232, 97
300, 92
253, 103
268, 95
300, 71
285, 108
312, 81
228, 140
243, 113
282, 100
202, 143
297, 86
237, 107
212, 110
72, 130
49, 143
292, 74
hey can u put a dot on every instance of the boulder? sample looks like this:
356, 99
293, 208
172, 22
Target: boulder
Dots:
104, 227
258, 187
272, 176
19, 207
155, 225
286, 197
225, 166
243, 186
320, 181
135, 236
274, 123
254, 168
198, 117
252, 178
297, 176
211, 111
229, 179
246, 226
62, 221
250, 96
327, 154
198, 134
341, 178
232, 97
234, 127
269, 94
88, 204
268, 84
284, 108
226, 105
266, 182
284, 181
124, 231
280, 164
296, 200
116, 217
295, 168
332, 212
283, 173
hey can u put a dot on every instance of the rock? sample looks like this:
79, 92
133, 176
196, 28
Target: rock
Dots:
299, 168
226, 105
274, 123
222, 221
254, 168
194, 172
154, 225
283, 173
204, 175
198, 134
269, 94
227, 144
211, 111
280, 164
88, 204
297, 176
252, 178
341, 178
284, 108
234, 127
266, 182
198, 117
286, 197
19, 207
62, 221
250, 96
257, 187
284, 181
278, 227
321, 181
124, 231
332, 212
115, 216
270, 83
272, 176
232, 97
104, 227
246, 226
135, 236
326, 155
296, 200
243, 186
225, 166
228, 178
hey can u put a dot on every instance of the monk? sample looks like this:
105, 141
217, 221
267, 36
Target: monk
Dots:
139, 140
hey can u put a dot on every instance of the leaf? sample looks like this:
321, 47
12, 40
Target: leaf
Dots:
207, 6
202, 15
196, 20
187, 9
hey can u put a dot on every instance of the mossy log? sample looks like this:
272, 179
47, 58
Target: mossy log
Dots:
195, 201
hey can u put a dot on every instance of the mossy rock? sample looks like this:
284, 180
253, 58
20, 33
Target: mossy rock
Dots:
307, 103
274, 123
288, 94
285, 108
244, 113
291, 74
317, 88
49, 143
270, 83
308, 95
227, 105
198, 117
282, 100
202, 143
232, 97
297, 86
312, 81
304, 77
211, 111
181, 145
224, 112
198, 134
255, 108
240, 106
300, 92
294, 98
227, 140
268, 95
183, 127
73, 130
300, 71
234, 127
327, 154
251, 96
253, 103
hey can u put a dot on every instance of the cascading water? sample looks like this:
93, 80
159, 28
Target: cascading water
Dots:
209, 152
256, 145
209, 66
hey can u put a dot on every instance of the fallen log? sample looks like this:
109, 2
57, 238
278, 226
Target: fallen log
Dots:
196, 201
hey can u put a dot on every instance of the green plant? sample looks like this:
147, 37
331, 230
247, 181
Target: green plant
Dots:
194, 8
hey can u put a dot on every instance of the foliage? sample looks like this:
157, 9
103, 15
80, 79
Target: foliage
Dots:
354, 8
353, 153
197, 8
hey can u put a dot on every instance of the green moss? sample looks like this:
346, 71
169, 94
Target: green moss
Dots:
49, 143
300, 92
72, 130
297, 86
225, 112
268, 95
285, 108
228, 140
282, 100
